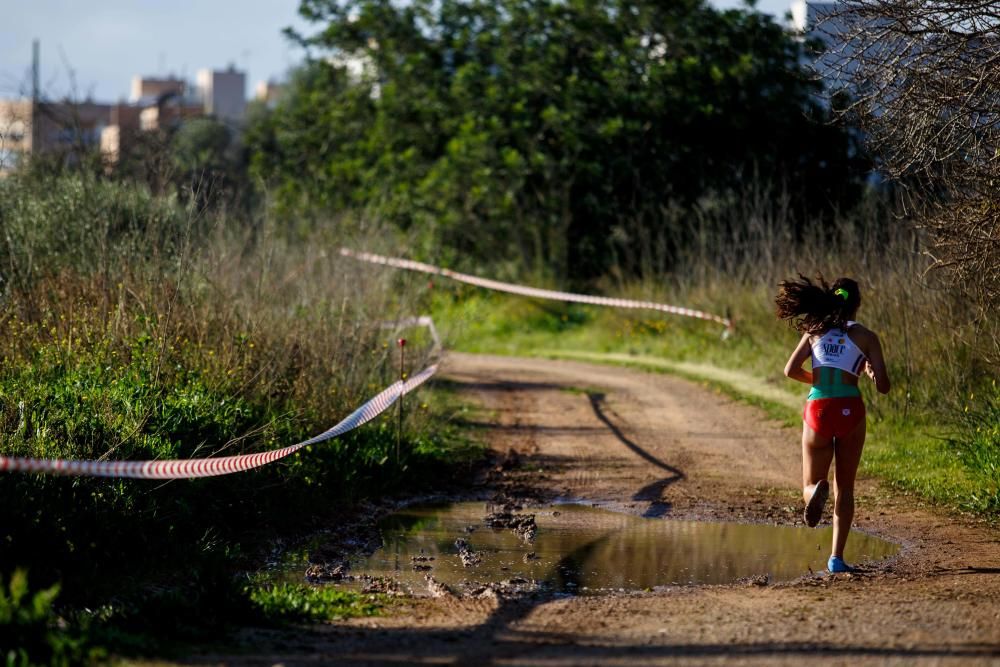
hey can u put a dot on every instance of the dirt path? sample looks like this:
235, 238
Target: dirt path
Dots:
663, 447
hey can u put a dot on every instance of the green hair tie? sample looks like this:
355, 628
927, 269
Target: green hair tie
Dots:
840, 291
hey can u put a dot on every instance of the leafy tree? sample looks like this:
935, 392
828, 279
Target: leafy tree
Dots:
536, 131
209, 163
202, 144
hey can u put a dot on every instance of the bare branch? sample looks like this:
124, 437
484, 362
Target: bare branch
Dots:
924, 76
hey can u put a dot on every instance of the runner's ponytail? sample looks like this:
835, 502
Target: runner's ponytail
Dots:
817, 307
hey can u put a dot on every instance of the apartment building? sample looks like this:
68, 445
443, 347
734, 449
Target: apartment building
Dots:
28, 126
269, 92
34, 126
15, 132
222, 93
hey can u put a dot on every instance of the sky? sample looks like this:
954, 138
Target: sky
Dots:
92, 49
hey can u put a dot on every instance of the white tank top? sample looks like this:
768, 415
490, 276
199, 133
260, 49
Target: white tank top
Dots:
835, 349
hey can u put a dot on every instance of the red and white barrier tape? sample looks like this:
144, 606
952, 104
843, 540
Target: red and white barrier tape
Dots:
533, 291
211, 467
421, 321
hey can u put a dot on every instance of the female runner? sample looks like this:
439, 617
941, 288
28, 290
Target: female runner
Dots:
834, 417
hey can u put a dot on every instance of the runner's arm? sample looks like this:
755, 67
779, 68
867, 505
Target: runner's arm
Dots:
793, 369
876, 365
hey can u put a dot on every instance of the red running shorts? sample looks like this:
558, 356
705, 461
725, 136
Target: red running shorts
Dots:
834, 417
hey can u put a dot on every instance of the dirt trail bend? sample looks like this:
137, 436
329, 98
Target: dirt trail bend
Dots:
664, 447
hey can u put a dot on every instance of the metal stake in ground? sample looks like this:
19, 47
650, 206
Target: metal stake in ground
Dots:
402, 376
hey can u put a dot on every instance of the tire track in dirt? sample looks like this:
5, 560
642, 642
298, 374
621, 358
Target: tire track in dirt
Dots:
664, 447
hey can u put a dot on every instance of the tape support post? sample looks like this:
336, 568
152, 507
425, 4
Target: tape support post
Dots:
535, 292
222, 465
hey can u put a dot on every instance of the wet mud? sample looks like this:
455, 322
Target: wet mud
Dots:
580, 549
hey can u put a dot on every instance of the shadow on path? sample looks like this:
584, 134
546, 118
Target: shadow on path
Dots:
497, 642
652, 493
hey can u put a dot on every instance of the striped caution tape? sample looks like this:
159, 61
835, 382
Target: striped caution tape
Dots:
421, 321
533, 291
212, 467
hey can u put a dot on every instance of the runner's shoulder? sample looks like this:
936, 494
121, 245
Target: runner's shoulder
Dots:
862, 334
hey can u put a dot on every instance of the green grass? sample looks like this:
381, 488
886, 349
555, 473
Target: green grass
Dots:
919, 459
979, 447
303, 603
917, 441
581, 391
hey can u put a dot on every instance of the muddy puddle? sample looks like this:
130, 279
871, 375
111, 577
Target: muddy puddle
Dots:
582, 549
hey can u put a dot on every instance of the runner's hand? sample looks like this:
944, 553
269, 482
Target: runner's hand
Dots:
868, 371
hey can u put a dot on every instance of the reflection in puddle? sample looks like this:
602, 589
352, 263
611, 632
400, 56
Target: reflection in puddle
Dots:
583, 549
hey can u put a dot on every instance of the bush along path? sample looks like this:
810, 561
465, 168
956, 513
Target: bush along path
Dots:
655, 445
120, 565
149, 599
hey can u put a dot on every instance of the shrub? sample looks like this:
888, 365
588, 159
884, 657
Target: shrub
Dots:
31, 633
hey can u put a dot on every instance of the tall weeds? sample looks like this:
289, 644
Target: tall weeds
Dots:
937, 342
95, 268
135, 328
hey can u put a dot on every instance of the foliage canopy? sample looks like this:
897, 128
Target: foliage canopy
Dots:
547, 132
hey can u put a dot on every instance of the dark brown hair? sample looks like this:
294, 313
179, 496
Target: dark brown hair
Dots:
815, 307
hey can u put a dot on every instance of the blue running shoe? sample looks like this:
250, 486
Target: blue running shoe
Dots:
836, 565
